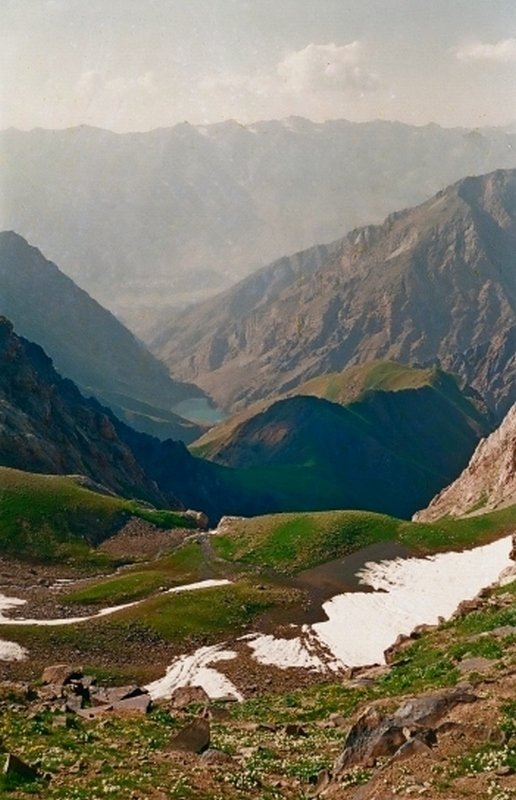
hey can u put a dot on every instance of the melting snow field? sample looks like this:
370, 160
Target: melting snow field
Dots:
409, 592
360, 625
193, 670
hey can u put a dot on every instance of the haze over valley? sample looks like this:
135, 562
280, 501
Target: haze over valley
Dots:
257, 400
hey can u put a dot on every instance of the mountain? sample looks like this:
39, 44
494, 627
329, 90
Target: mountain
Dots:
152, 220
391, 450
47, 426
434, 284
487, 483
87, 343
404, 432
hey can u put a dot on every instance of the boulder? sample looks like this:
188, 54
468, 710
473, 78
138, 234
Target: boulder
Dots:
20, 769
60, 674
101, 695
184, 696
139, 704
375, 734
194, 738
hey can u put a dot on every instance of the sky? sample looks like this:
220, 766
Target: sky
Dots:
132, 65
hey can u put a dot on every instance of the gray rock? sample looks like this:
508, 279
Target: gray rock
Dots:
140, 704
184, 696
375, 735
194, 738
101, 695
16, 767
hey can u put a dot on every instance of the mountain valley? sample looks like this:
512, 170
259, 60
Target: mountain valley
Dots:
272, 555
433, 284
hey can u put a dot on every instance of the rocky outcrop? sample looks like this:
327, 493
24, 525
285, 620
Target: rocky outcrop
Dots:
488, 482
375, 734
433, 284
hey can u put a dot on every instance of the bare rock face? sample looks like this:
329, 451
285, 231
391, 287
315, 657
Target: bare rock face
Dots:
432, 285
488, 481
375, 735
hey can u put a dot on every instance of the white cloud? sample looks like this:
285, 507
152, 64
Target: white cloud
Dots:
502, 52
327, 67
315, 70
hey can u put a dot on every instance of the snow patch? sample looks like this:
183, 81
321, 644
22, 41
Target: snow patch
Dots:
409, 592
10, 651
194, 670
284, 653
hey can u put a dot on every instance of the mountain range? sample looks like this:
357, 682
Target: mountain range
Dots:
390, 451
434, 284
149, 221
88, 344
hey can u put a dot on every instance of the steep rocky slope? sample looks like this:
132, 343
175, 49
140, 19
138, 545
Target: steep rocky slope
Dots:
47, 426
489, 480
201, 206
87, 343
432, 284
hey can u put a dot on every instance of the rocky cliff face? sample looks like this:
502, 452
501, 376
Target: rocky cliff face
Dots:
433, 284
47, 426
86, 342
488, 482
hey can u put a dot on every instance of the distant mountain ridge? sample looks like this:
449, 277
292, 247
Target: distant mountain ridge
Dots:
435, 284
87, 343
162, 218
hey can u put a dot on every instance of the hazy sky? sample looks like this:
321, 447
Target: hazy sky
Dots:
140, 64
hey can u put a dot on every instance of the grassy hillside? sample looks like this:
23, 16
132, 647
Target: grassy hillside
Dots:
350, 385
406, 434
293, 542
53, 518
343, 387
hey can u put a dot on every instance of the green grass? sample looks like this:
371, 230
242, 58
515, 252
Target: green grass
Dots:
184, 565
349, 385
52, 518
210, 612
293, 542
188, 618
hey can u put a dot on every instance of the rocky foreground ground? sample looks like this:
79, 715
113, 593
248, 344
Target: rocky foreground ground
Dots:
437, 721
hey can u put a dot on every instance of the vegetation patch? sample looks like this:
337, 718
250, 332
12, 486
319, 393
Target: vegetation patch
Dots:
293, 542
51, 518
185, 565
